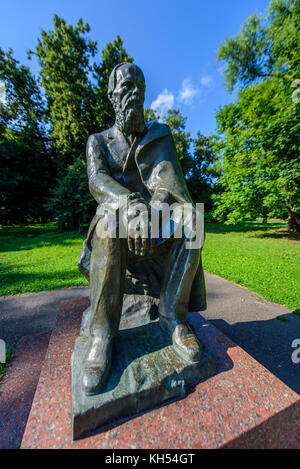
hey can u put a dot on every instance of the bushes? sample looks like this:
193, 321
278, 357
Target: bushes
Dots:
70, 201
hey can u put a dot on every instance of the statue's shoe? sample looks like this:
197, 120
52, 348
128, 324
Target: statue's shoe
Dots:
185, 342
96, 366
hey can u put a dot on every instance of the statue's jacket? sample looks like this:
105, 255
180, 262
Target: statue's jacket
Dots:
149, 166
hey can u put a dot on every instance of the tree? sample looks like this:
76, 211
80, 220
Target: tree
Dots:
265, 47
182, 139
64, 57
259, 143
70, 199
26, 162
205, 171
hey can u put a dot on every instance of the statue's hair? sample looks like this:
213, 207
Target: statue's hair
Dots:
113, 77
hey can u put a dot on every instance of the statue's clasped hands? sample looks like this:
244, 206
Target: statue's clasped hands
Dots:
139, 226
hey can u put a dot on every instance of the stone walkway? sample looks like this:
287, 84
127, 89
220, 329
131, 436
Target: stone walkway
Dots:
243, 316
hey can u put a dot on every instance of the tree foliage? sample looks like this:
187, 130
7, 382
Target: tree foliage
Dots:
64, 55
70, 199
265, 47
259, 133
25, 160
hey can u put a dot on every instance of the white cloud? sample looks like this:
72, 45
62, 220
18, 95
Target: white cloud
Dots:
186, 95
206, 80
188, 91
163, 102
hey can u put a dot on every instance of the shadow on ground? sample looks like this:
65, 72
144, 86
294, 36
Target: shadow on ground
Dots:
270, 343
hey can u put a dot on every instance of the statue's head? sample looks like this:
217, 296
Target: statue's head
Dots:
126, 91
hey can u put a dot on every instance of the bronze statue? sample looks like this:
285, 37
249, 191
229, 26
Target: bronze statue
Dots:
139, 161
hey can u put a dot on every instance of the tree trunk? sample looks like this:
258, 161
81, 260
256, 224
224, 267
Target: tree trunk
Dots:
293, 223
61, 224
71, 223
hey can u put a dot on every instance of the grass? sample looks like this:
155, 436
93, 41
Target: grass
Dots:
37, 258
9, 355
256, 256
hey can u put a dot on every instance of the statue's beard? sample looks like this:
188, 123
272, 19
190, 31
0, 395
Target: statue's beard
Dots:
130, 120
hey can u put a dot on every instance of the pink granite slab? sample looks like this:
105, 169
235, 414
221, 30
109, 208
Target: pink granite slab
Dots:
18, 387
244, 405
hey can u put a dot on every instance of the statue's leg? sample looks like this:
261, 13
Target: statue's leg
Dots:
179, 274
107, 274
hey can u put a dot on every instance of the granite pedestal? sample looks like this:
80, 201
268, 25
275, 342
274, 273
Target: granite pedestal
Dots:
242, 406
18, 386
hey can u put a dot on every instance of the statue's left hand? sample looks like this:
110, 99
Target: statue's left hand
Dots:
138, 225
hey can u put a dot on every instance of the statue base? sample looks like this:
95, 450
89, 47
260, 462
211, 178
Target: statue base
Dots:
242, 406
145, 373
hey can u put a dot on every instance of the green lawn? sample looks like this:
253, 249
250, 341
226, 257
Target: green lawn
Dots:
255, 256
37, 258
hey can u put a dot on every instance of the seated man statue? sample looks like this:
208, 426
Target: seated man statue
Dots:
137, 160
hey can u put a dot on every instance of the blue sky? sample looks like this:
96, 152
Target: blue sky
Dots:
174, 42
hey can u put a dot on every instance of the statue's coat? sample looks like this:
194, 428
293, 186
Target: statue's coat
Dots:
149, 166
